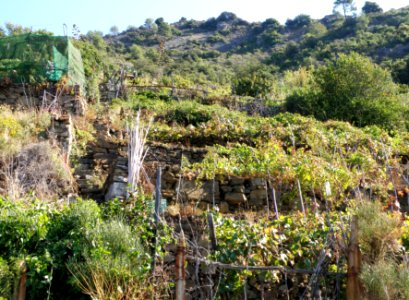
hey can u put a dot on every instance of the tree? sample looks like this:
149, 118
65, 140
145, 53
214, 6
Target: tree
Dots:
136, 52
351, 88
97, 39
298, 22
271, 23
150, 25
371, 8
254, 81
114, 30
163, 27
14, 29
346, 5
226, 17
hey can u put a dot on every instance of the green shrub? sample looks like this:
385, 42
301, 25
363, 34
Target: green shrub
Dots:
378, 232
352, 89
381, 280
188, 113
46, 237
6, 280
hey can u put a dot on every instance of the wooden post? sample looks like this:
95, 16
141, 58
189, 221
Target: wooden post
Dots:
300, 195
267, 202
354, 287
275, 202
156, 216
180, 269
212, 233
20, 292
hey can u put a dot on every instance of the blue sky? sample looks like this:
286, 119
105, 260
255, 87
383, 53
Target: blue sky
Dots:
101, 15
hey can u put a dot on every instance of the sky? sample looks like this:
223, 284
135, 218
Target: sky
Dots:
101, 15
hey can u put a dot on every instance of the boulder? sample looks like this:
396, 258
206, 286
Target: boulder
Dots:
116, 189
239, 189
236, 180
235, 198
202, 192
258, 183
224, 207
258, 197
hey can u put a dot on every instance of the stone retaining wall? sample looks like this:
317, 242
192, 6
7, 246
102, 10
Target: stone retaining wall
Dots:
25, 96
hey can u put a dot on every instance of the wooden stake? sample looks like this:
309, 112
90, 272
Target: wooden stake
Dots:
212, 233
275, 202
300, 194
268, 203
156, 215
354, 287
180, 269
20, 292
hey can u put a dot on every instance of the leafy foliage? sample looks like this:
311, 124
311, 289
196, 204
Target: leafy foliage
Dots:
291, 241
352, 89
113, 242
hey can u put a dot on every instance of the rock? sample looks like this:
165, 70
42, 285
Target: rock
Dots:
116, 189
102, 143
99, 150
226, 188
175, 168
239, 189
120, 179
173, 210
236, 180
169, 177
201, 193
187, 210
258, 197
224, 207
235, 198
258, 183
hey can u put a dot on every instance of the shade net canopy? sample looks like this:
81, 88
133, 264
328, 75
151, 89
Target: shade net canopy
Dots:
33, 59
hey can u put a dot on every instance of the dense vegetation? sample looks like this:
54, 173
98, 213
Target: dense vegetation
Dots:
317, 109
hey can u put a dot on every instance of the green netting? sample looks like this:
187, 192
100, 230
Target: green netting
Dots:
32, 58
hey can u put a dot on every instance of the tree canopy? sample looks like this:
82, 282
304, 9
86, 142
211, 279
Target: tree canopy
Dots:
371, 7
351, 88
347, 6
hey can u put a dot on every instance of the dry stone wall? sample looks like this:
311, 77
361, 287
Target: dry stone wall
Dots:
50, 97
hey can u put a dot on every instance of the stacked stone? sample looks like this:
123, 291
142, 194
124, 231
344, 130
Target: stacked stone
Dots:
19, 96
73, 104
61, 131
117, 184
25, 96
104, 163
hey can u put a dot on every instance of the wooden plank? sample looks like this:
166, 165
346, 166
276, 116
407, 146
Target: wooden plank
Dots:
180, 291
354, 286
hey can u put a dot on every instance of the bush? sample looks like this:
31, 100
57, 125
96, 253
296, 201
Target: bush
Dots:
115, 264
19, 128
380, 280
352, 89
189, 113
5, 280
101, 250
378, 232
37, 168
